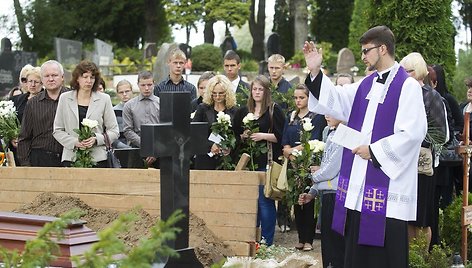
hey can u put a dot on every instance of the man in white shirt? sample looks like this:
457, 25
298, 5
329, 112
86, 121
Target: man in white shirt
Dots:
377, 186
232, 65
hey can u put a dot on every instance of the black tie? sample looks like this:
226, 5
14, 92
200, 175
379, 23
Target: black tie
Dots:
382, 78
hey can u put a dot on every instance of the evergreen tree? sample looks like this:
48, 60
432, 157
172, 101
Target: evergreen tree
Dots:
359, 24
283, 25
331, 22
425, 27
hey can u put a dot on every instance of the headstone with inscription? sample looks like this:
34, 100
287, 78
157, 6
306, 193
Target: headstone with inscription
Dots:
68, 52
175, 141
103, 56
161, 69
346, 61
11, 63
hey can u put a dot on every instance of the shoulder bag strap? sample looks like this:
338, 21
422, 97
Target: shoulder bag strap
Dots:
107, 140
269, 144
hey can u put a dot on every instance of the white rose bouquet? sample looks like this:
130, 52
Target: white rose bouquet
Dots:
83, 157
310, 154
253, 148
223, 128
9, 124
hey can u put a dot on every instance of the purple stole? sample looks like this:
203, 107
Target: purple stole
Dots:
374, 203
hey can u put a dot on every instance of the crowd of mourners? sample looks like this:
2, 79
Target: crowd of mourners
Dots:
402, 107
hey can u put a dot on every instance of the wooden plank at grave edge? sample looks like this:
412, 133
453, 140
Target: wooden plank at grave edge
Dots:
239, 248
197, 176
197, 203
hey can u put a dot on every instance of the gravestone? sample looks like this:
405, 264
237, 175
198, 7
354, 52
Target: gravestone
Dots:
346, 61
161, 69
228, 44
174, 141
11, 63
273, 45
68, 52
186, 49
150, 50
103, 56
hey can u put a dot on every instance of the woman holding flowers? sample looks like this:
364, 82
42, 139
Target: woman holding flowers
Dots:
298, 122
256, 126
83, 115
217, 109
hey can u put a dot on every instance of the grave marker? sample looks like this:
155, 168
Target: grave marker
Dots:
346, 61
11, 63
466, 151
174, 141
68, 52
103, 56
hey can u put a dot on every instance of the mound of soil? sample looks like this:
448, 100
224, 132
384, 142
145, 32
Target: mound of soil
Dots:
208, 248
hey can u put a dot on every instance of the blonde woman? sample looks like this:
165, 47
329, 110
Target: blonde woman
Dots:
33, 85
218, 97
416, 67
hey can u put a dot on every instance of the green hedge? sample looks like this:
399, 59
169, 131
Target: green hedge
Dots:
206, 57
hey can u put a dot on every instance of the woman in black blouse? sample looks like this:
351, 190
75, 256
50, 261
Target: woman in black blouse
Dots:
270, 130
218, 97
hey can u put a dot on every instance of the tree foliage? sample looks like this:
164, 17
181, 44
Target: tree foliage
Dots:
117, 21
465, 12
185, 13
232, 12
206, 57
359, 24
425, 27
283, 25
331, 22
464, 65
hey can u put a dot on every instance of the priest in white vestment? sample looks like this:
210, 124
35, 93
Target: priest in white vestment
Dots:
387, 108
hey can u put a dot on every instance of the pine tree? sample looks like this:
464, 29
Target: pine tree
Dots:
425, 27
359, 24
331, 22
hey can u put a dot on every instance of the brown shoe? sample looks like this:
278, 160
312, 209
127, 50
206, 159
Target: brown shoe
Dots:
307, 247
299, 246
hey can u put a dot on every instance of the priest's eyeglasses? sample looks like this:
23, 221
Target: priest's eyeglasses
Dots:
366, 50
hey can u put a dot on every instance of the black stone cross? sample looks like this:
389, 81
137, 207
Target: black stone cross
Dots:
174, 141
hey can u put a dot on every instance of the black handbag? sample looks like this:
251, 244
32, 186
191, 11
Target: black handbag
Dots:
113, 161
449, 156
